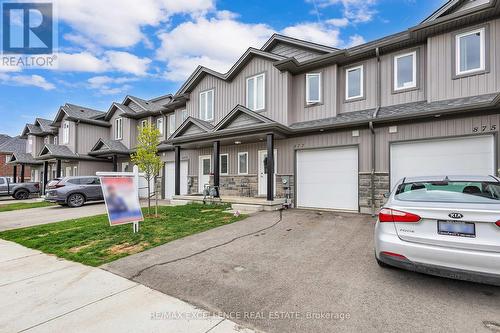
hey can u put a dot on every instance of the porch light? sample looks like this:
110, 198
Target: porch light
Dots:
237, 142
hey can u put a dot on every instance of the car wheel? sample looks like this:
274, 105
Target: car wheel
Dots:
21, 195
76, 200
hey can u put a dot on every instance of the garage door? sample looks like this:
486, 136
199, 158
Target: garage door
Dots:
458, 156
328, 178
170, 179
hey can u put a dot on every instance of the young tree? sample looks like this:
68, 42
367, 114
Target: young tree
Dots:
146, 157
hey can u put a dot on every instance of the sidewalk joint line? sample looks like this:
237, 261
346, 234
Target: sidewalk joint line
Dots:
34, 276
29, 255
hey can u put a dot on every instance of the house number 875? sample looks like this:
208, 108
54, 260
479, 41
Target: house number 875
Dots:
484, 128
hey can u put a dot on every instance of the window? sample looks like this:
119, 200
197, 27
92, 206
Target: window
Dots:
184, 115
243, 163
66, 132
207, 105
29, 146
118, 128
144, 123
46, 139
313, 88
159, 125
75, 171
224, 164
470, 51
354, 83
171, 124
56, 140
256, 88
405, 71
7, 158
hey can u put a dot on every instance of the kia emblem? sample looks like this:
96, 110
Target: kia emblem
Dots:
455, 215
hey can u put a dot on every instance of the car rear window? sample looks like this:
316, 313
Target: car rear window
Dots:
450, 191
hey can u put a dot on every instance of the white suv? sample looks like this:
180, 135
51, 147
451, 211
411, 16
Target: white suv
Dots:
446, 226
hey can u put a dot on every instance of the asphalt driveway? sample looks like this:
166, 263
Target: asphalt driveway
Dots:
311, 272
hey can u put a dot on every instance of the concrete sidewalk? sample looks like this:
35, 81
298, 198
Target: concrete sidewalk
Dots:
42, 293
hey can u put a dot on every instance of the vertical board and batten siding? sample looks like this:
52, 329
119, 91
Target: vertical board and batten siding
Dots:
370, 88
389, 96
229, 94
299, 111
89, 168
442, 86
289, 51
435, 129
72, 134
37, 144
88, 135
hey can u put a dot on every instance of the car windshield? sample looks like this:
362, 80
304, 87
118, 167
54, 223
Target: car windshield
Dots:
450, 191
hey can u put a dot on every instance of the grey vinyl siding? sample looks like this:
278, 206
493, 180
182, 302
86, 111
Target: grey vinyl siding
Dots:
391, 97
229, 94
298, 53
128, 125
327, 108
436, 128
88, 136
370, 89
89, 168
37, 144
442, 86
471, 4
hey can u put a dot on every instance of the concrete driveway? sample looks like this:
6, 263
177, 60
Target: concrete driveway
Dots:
312, 272
35, 216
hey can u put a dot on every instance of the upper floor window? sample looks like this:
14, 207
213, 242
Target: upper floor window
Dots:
354, 83
56, 140
184, 115
313, 88
118, 128
7, 158
171, 124
66, 132
256, 95
224, 164
29, 145
470, 51
159, 124
207, 105
405, 71
46, 139
144, 123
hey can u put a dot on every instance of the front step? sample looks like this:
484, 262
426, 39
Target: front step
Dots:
247, 208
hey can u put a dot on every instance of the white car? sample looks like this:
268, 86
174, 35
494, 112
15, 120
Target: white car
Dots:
445, 226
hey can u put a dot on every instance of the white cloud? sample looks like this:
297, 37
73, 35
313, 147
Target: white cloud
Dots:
107, 85
80, 62
314, 32
338, 22
127, 62
119, 23
356, 11
356, 40
212, 42
26, 80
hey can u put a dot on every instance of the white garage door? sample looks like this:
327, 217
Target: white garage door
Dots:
170, 179
328, 178
458, 156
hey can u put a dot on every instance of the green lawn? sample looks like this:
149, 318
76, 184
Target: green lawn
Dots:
93, 242
24, 205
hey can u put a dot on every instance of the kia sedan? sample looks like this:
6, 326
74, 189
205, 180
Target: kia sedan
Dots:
444, 226
74, 191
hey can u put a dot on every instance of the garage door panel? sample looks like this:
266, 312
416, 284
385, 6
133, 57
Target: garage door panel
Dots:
456, 156
328, 178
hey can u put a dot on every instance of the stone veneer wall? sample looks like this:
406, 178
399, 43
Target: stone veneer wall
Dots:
239, 185
365, 190
193, 188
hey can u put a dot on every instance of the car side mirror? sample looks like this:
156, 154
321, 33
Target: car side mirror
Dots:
387, 194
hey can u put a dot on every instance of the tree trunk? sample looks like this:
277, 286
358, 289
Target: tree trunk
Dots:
156, 197
149, 195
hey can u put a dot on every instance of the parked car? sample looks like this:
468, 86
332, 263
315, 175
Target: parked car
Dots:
74, 191
445, 226
19, 191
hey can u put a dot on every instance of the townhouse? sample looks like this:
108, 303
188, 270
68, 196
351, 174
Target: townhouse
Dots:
9, 147
329, 128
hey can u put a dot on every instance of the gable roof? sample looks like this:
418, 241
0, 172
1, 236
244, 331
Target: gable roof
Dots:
23, 158
201, 71
45, 125
106, 146
81, 113
244, 116
453, 6
12, 145
3, 138
199, 126
281, 39
56, 151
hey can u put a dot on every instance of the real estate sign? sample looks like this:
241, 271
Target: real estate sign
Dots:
121, 196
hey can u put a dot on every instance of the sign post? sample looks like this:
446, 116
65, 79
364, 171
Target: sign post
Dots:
121, 197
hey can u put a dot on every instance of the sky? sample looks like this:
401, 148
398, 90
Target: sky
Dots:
107, 49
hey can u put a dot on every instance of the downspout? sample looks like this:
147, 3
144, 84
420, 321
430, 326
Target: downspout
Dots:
372, 130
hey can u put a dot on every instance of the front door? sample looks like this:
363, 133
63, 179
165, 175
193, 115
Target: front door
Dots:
263, 171
204, 172
170, 179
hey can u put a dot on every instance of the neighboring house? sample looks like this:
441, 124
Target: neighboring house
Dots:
342, 126
10, 147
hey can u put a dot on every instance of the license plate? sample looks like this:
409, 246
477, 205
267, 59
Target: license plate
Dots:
457, 228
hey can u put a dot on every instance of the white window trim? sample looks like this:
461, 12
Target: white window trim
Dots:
240, 154
414, 71
255, 90
144, 123
308, 100
66, 132
119, 128
184, 115
204, 116
171, 127
482, 62
56, 140
220, 164
362, 79
161, 127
